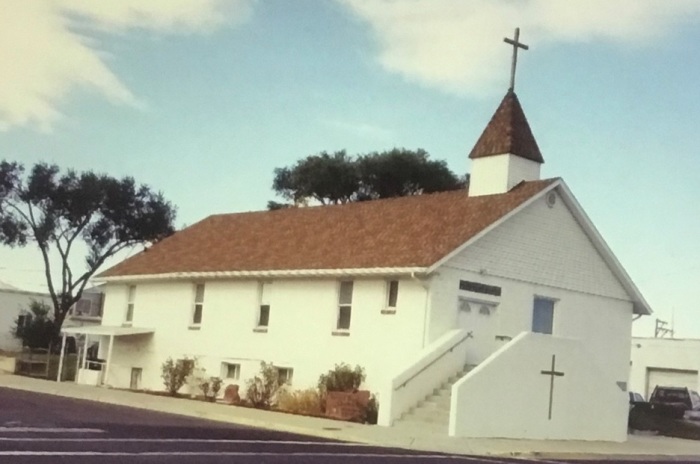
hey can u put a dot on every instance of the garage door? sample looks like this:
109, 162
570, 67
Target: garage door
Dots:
670, 378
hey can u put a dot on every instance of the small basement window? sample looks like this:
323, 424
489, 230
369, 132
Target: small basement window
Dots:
284, 375
230, 371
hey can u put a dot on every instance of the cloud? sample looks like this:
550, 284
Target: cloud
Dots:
48, 49
456, 45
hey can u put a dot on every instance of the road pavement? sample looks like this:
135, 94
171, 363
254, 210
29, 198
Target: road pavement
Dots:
37, 428
41, 428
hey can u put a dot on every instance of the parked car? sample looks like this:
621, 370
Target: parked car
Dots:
639, 417
635, 398
675, 402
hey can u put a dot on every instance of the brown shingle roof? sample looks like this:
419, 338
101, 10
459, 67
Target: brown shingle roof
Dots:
508, 132
412, 231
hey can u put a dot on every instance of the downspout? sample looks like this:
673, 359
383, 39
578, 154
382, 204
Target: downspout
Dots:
425, 305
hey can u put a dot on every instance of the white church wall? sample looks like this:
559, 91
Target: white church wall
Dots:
542, 244
663, 354
300, 335
586, 401
539, 252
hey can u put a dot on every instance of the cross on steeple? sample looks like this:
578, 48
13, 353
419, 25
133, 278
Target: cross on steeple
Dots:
516, 44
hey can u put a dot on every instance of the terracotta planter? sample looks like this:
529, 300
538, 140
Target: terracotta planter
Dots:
348, 406
231, 395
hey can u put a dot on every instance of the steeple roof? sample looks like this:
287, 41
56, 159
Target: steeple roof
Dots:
508, 132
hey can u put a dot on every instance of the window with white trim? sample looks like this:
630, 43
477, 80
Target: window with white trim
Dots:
198, 307
284, 375
543, 315
392, 294
344, 305
264, 307
230, 371
131, 298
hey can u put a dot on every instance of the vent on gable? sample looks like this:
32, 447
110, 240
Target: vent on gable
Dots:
551, 199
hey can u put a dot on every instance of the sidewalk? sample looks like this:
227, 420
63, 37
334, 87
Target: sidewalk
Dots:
647, 446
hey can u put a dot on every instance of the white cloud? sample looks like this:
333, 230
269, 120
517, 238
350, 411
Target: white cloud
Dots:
47, 50
456, 45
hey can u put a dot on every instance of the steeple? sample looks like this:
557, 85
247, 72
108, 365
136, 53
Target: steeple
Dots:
508, 132
506, 153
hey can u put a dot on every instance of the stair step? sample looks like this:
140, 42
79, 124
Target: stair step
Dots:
432, 414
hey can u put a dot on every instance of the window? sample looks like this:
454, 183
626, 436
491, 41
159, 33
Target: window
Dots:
344, 305
264, 310
392, 293
231, 371
543, 315
284, 375
83, 307
129, 316
23, 320
198, 304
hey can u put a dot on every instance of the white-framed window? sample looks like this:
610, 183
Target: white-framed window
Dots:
344, 305
543, 315
198, 307
392, 294
130, 301
23, 320
230, 371
264, 307
284, 375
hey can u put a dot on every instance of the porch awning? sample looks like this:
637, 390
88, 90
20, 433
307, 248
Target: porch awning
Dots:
108, 330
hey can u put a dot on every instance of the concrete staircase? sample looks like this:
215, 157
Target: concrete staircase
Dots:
432, 414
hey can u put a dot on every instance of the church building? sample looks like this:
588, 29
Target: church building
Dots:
494, 311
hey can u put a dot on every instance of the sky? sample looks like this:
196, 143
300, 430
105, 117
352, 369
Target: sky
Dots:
203, 99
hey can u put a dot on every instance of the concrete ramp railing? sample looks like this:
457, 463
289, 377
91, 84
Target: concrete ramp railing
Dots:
413, 382
541, 387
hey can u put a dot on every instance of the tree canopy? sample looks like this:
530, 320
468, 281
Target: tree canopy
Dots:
57, 210
339, 178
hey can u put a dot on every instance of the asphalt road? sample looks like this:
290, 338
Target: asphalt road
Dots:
36, 428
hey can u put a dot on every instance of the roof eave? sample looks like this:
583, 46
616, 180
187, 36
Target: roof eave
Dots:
279, 273
493, 225
640, 305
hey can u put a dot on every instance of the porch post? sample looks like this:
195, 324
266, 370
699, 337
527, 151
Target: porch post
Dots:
60, 358
81, 366
109, 359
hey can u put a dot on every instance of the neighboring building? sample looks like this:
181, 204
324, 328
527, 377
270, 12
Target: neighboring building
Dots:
14, 303
511, 277
668, 362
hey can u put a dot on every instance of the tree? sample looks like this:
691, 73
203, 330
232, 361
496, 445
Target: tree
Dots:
57, 211
35, 327
339, 178
328, 179
400, 172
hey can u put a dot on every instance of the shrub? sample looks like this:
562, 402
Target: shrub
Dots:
175, 373
341, 378
215, 384
306, 402
210, 388
35, 327
371, 412
261, 390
